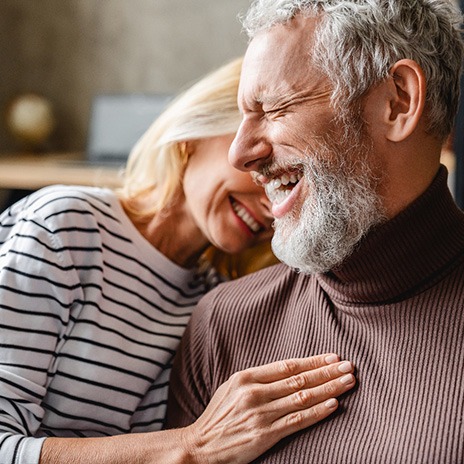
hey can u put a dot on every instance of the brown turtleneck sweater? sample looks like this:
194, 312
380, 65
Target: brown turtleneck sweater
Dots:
395, 309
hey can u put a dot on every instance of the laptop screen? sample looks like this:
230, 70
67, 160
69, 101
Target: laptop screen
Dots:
117, 121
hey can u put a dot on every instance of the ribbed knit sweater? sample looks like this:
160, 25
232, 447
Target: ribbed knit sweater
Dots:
395, 308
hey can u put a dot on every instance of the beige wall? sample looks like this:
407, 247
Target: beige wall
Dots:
70, 49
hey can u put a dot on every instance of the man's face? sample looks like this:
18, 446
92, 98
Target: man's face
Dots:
317, 170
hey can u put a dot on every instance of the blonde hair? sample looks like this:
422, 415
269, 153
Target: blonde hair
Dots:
156, 163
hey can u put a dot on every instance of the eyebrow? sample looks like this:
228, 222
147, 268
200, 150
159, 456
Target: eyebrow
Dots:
288, 100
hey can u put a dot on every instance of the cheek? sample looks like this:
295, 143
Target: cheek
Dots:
196, 197
292, 129
196, 183
201, 199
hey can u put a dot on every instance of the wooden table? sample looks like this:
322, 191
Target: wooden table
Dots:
32, 171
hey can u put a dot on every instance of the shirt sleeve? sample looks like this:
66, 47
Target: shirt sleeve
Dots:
37, 290
190, 383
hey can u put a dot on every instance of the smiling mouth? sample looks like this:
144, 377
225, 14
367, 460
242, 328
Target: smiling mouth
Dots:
245, 216
279, 188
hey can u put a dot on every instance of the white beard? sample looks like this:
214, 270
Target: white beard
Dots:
342, 205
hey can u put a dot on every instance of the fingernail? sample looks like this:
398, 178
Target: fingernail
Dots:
345, 367
331, 404
331, 358
346, 379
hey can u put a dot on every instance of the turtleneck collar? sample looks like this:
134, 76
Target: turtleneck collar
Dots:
404, 256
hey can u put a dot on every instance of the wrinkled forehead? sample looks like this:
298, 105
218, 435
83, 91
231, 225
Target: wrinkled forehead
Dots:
280, 59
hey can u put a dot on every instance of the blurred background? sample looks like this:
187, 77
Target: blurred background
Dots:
70, 50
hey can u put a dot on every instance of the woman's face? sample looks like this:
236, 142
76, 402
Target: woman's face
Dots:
228, 208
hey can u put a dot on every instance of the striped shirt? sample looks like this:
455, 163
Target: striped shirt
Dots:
90, 317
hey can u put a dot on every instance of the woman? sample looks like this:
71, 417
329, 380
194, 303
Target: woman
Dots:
97, 288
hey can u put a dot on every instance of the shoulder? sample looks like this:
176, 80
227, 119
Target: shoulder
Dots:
58, 197
257, 294
63, 215
238, 319
55, 205
268, 281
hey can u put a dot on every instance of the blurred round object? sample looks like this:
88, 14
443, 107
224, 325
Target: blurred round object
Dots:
30, 119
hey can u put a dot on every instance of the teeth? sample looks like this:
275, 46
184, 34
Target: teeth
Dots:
276, 183
243, 214
275, 193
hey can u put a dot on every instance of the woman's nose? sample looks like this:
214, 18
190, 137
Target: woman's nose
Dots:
249, 149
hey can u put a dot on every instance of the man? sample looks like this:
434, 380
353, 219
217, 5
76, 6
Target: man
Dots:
345, 108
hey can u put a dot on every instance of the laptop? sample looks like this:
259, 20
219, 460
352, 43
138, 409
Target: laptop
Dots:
116, 123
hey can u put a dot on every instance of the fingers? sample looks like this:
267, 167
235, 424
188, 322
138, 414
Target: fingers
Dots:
283, 369
309, 397
283, 379
304, 418
300, 389
308, 406
310, 379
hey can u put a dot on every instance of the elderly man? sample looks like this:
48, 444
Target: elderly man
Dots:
345, 108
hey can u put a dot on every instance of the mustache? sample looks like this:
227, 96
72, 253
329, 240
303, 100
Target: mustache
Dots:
274, 169
341, 155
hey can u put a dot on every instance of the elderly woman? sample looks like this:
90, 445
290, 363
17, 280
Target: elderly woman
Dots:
97, 287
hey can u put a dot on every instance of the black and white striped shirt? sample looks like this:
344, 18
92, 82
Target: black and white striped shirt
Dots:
90, 317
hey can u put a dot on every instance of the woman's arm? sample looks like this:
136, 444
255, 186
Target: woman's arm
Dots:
248, 414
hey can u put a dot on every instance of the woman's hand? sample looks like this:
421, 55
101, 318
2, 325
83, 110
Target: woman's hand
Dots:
259, 406
247, 415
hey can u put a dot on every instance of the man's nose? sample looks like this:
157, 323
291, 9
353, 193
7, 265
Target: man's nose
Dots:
249, 150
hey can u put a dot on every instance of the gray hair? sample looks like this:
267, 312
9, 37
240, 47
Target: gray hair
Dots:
358, 41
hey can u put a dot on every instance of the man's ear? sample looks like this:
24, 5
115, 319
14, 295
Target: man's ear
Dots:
407, 99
